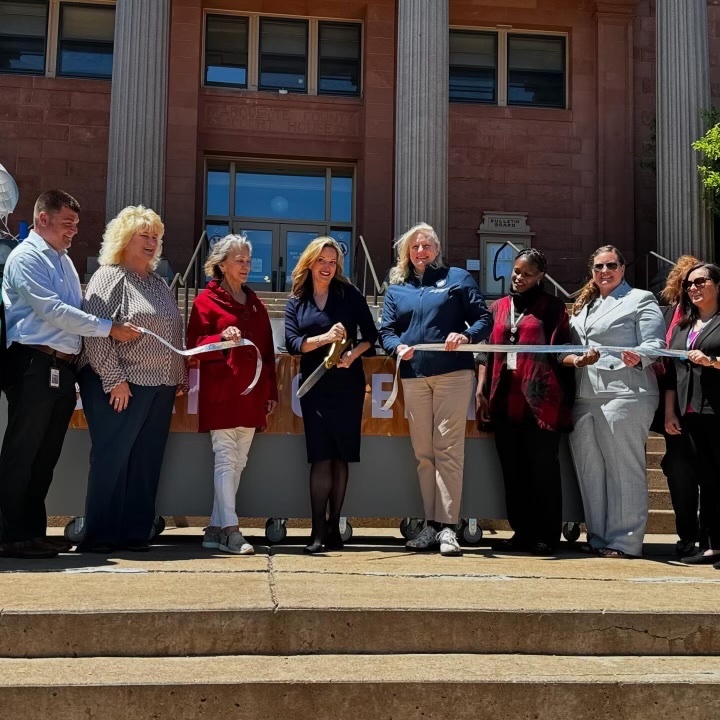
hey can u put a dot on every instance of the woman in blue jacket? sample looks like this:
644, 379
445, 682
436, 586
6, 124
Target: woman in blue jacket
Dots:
430, 303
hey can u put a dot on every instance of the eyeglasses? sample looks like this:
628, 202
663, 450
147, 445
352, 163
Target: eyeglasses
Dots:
599, 267
699, 283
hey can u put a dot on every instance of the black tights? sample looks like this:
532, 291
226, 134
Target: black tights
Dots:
328, 483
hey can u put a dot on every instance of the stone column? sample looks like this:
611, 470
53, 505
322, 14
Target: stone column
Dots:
138, 107
683, 90
421, 129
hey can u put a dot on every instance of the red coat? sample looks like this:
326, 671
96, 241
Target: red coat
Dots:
225, 375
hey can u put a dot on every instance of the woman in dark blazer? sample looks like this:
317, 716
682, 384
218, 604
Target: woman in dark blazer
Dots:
694, 388
324, 307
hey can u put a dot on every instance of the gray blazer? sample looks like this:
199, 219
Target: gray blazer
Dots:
626, 318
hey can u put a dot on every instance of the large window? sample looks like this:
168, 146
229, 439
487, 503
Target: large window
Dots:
226, 51
508, 68
283, 54
57, 37
23, 29
473, 67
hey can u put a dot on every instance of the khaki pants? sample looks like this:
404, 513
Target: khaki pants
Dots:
437, 410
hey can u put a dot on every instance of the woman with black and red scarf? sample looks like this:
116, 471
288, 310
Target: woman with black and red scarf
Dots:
527, 400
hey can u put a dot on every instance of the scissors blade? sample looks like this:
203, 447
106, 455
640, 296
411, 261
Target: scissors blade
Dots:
314, 376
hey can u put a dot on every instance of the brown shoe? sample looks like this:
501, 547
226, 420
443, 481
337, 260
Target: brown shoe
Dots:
33, 549
57, 543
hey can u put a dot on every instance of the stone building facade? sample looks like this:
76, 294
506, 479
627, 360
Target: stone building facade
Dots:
290, 118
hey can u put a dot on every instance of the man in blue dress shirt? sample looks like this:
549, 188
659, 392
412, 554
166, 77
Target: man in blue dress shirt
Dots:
45, 325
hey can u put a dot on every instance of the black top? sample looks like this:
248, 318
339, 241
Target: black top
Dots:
303, 319
697, 387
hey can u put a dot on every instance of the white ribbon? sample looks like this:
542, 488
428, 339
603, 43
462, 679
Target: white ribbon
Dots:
211, 347
532, 349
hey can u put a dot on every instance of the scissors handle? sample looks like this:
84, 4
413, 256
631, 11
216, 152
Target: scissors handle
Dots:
336, 352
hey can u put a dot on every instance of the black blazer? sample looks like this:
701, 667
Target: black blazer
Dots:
696, 385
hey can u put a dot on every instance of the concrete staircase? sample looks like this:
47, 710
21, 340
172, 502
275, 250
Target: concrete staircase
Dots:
661, 519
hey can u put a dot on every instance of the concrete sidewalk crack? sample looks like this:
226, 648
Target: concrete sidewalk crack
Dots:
272, 580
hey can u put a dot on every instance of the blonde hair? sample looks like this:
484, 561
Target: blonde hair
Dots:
220, 251
400, 273
590, 291
301, 275
123, 226
672, 292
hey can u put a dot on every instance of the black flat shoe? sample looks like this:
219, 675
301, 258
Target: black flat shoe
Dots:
314, 548
511, 545
700, 559
685, 548
543, 549
334, 541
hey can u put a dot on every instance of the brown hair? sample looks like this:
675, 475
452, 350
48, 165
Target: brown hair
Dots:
672, 292
590, 291
53, 201
690, 313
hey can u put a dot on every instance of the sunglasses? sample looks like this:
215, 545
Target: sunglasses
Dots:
699, 283
598, 267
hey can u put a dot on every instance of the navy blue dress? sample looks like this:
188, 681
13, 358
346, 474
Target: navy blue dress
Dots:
332, 409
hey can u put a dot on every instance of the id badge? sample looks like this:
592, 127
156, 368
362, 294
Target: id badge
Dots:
54, 378
512, 361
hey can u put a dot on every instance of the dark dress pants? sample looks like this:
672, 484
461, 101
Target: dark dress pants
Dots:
682, 475
531, 473
38, 418
703, 433
125, 460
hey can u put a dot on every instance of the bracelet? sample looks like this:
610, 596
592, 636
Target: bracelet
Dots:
575, 361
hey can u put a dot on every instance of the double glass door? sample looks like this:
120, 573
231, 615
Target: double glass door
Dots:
276, 250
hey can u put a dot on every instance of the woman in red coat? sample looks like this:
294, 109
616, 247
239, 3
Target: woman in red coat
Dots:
229, 310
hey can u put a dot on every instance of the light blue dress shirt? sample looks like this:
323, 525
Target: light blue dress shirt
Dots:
42, 296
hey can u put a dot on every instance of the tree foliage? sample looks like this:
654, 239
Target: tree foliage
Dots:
709, 146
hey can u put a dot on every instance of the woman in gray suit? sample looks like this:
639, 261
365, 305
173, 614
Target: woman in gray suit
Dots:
616, 397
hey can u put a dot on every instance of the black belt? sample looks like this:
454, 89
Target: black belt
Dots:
65, 357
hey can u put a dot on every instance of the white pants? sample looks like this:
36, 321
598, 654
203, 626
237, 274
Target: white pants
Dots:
231, 448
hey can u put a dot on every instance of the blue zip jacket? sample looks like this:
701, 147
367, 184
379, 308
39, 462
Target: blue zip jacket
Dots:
427, 310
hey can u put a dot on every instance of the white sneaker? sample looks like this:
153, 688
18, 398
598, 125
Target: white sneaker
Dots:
449, 544
425, 540
211, 538
235, 543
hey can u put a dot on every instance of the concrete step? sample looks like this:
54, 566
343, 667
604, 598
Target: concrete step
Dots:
660, 500
661, 522
654, 459
656, 479
362, 687
656, 443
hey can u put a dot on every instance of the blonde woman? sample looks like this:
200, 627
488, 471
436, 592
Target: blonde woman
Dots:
324, 308
430, 303
128, 390
615, 400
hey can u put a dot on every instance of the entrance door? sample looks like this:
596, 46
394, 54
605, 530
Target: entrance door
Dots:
293, 241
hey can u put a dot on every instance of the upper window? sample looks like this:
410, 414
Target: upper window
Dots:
339, 59
82, 33
504, 68
283, 54
536, 70
85, 40
226, 50
23, 29
473, 67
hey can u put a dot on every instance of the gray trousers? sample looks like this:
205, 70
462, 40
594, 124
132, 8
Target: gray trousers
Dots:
608, 450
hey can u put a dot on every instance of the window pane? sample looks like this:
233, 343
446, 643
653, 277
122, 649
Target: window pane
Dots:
262, 249
341, 198
22, 36
339, 59
281, 194
283, 55
344, 240
226, 50
218, 192
473, 67
85, 42
215, 232
536, 70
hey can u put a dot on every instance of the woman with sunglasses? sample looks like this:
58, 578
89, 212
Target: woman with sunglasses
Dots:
527, 398
693, 386
615, 400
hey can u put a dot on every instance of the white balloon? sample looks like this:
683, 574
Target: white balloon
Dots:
9, 193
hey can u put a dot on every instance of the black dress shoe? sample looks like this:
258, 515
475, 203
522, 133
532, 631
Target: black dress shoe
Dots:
58, 543
700, 559
138, 546
543, 549
512, 544
334, 541
28, 549
685, 548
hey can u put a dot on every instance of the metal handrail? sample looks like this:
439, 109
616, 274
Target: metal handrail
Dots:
378, 289
183, 282
500, 278
646, 257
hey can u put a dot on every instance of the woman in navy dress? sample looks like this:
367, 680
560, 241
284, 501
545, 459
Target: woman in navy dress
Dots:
323, 308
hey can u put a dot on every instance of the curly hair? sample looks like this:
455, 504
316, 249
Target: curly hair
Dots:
400, 273
302, 282
220, 251
120, 230
590, 291
672, 292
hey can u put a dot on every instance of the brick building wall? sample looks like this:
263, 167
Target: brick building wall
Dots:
54, 133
